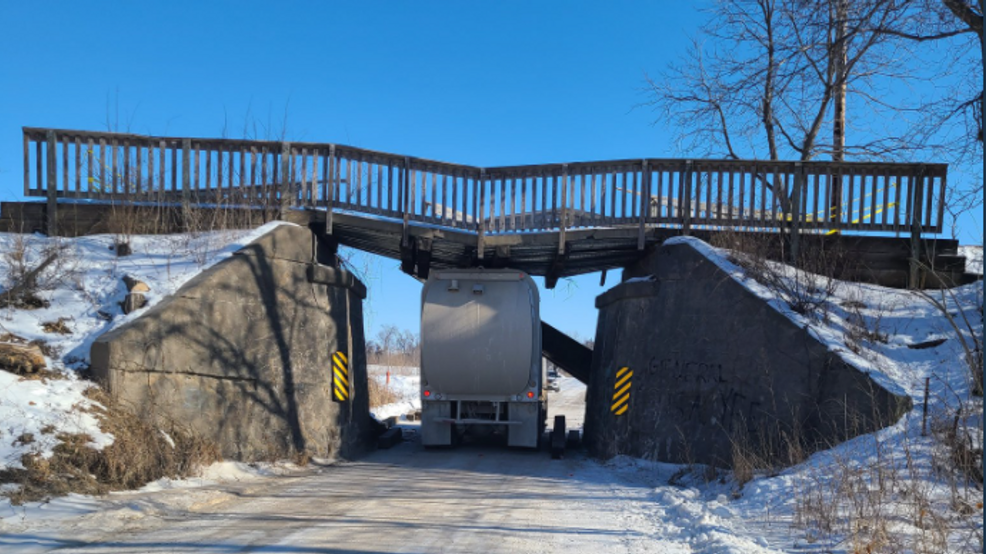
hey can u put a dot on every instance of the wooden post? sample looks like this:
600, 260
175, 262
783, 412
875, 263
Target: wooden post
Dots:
286, 188
52, 183
644, 202
686, 198
564, 209
407, 201
924, 408
480, 215
795, 227
186, 169
27, 164
916, 200
330, 177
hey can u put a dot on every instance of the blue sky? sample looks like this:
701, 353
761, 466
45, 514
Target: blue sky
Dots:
493, 83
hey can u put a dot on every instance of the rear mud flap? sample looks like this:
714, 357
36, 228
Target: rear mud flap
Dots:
433, 432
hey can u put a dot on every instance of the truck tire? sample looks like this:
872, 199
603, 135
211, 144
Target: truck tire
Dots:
574, 439
558, 438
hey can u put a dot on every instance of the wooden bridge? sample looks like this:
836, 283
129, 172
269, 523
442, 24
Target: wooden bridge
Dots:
550, 219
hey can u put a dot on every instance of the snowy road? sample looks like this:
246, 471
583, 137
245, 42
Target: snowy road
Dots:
469, 499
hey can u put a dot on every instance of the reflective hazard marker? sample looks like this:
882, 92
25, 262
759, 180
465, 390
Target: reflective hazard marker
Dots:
340, 377
621, 391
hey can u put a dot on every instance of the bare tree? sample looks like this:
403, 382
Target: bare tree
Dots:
767, 78
953, 31
394, 347
764, 78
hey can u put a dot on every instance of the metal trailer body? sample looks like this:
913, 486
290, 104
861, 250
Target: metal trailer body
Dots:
481, 362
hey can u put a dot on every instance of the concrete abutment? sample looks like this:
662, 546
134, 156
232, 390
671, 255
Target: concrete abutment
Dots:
241, 354
713, 367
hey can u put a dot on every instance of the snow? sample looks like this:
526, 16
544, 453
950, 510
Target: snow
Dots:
84, 281
405, 384
973, 258
123, 510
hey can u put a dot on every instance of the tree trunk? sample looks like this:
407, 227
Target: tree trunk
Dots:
838, 10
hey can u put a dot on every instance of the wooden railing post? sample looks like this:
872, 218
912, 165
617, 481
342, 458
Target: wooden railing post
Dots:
479, 196
795, 215
330, 196
686, 198
917, 200
644, 202
27, 164
564, 209
286, 189
407, 201
51, 183
186, 170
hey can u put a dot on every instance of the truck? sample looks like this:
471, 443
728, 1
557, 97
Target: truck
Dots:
481, 365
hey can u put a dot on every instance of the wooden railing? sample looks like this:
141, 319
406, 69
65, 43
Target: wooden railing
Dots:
688, 194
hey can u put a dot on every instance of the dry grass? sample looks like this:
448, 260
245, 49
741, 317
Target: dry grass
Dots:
139, 454
380, 394
57, 327
906, 494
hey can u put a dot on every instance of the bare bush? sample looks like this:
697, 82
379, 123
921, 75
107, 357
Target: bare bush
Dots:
897, 494
808, 287
862, 331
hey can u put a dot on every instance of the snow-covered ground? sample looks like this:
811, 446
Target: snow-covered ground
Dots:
404, 384
890, 491
973, 258
84, 288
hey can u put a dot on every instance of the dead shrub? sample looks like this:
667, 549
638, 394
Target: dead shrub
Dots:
25, 280
808, 286
766, 449
57, 327
21, 359
25, 300
867, 493
861, 330
380, 394
140, 453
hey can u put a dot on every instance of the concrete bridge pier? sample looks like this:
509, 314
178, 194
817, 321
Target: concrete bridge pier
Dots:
243, 353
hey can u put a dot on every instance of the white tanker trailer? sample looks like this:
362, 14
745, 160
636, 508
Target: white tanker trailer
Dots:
481, 363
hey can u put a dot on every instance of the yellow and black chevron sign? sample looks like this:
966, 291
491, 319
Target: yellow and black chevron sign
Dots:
621, 391
340, 377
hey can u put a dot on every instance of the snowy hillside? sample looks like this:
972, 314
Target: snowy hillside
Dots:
82, 289
902, 489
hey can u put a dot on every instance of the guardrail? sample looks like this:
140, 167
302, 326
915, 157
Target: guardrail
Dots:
737, 194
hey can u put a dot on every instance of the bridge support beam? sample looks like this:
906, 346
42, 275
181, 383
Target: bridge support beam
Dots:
407, 255
416, 256
422, 257
558, 266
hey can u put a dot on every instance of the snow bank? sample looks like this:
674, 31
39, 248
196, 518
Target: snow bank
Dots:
405, 384
973, 258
